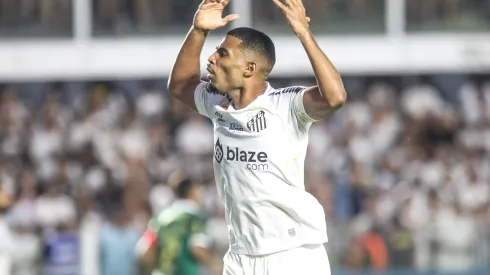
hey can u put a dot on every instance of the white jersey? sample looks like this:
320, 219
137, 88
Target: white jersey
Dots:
259, 156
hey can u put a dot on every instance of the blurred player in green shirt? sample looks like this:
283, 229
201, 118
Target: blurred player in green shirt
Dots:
175, 242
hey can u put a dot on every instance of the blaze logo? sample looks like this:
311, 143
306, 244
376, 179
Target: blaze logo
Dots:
256, 161
218, 151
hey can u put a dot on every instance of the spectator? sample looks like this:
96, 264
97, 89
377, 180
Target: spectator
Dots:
401, 247
54, 209
27, 253
61, 250
117, 243
454, 240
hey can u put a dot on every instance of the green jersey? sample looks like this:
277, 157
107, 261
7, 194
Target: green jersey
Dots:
179, 228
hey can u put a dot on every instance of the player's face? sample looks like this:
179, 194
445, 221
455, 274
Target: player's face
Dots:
227, 65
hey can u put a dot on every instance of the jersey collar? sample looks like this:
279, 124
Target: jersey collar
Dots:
268, 90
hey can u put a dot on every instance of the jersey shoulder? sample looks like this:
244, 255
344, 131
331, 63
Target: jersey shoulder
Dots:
286, 92
206, 98
283, 99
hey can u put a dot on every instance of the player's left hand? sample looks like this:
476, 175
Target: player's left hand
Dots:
295, 13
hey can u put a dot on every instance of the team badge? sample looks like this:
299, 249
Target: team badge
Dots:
257, 123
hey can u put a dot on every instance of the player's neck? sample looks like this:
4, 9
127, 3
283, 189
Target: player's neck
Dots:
243, 97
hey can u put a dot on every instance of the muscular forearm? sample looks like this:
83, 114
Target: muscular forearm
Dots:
186, 69
329, 81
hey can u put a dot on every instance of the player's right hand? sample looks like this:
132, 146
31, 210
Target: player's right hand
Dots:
209, 16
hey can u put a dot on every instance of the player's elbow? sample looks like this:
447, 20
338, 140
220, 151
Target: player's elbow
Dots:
173, 87
338, 99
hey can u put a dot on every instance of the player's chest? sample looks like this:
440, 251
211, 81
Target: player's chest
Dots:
247, 139
254, 125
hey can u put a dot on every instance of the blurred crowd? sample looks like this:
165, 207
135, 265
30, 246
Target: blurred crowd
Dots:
36, 18
409, 174
20, 18
402, 171
444, 15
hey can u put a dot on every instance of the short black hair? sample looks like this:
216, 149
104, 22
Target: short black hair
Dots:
184, 187
256, 41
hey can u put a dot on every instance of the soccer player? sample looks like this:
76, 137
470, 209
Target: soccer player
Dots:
175, 242
261, 136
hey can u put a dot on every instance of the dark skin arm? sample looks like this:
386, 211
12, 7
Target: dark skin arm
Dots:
329, 95
186, 73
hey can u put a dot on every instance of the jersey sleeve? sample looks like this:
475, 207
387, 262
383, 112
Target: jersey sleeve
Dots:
198, 236
206, 98
290, 105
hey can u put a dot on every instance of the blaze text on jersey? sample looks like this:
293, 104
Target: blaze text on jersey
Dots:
256, 161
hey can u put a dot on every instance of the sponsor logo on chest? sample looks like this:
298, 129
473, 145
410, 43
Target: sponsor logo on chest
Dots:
253, 160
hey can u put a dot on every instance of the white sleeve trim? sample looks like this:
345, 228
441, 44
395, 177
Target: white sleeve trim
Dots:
200, 99
300, 109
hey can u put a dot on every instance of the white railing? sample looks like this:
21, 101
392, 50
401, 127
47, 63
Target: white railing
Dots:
395, 18
393, 52
82, 20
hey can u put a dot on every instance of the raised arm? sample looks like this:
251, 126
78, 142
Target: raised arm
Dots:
186, 72
329, 94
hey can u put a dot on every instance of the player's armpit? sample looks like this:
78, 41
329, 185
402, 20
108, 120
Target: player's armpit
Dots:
185, 93
318, 108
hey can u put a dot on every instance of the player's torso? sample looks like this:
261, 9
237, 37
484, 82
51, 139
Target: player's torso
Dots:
253, 143
258, 165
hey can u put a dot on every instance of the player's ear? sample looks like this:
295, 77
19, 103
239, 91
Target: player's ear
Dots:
251, 69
